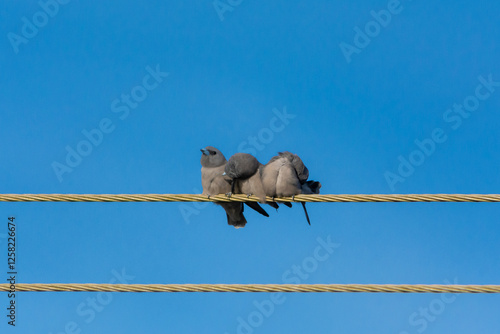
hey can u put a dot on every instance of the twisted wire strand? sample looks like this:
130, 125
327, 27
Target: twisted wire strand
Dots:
245, 198
369, 288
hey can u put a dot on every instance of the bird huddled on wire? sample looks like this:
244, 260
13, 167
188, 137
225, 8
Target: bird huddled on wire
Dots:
213, 182
284, 176
242, 171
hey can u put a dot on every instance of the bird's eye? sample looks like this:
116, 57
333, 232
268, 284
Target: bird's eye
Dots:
213, 152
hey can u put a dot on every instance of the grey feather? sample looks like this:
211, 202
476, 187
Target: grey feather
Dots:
242, 170
241, 166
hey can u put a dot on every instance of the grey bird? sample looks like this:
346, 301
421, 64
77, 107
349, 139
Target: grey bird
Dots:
286, 175
243, 172
213, 182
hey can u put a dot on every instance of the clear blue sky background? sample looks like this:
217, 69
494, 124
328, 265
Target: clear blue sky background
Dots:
353, 123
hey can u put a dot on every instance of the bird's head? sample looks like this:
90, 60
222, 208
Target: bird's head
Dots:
212, 157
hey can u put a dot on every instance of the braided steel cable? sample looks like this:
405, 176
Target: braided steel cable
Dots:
245, 198
369, 288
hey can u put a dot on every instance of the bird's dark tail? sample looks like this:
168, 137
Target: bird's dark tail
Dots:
311, 187
274, 205
305, 211
234, 213
258, 208
240, 222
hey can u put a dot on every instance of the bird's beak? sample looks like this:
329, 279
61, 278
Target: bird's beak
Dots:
205, 151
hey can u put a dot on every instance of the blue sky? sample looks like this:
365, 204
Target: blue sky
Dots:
375, 96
